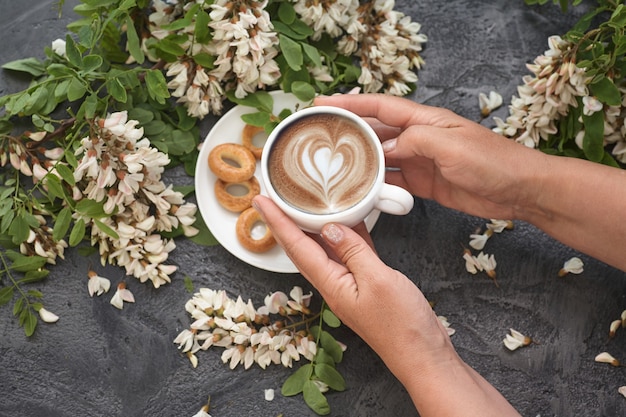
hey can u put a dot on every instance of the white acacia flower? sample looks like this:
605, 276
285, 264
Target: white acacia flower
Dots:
498, 226
471, 263
122, 294
489, 104
299, 301
516, 340
48, 316
591, 105
615, 324
488, 264
97, 285
478, 241
572, 266
204, 412
276, 301
606, 357
58, 46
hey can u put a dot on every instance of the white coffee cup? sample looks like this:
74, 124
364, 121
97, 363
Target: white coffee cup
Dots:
380, 195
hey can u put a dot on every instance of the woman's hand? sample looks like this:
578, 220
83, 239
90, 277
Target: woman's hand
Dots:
447, 158
389, 313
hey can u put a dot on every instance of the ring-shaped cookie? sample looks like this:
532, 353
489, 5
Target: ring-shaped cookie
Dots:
243, 162
245, 223
247, 138
233, 202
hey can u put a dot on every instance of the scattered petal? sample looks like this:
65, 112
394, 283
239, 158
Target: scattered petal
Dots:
606, 357
269, 394
572, 266
48, 316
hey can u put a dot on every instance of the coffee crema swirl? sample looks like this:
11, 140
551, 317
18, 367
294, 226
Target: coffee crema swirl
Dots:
323, 164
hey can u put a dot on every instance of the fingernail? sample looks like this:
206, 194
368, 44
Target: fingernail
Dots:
332, 233
256, 206
389, 145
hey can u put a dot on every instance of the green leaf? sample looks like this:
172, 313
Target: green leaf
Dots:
256, 119
292, 51
295, 383
605, 90
55, 188
134, 44
90, 208
313, 54
303, 90
117, 90
331, 346
90, 106
6, 295
73, 54
157, 85
322, 357
34, 276
330, 318
91, 63
328, 374
204, 236
593, 141
65, 173
106, 229
314, 398
30, 65
286, 13
76, 90
188, 284
181, 143
78, 233
62, 224
204, 60
19, 229
29, 322
28, 263
201, 28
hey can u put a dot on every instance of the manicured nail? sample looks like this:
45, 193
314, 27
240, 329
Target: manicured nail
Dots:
389, 145
256, 206
332, 233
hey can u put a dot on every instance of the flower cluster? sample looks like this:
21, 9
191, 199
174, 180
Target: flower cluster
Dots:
388, 45
247, 334
119, 168
484, 262
244, 46
545, 96
556, 87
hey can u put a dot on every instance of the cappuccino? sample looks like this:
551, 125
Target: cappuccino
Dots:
323, 163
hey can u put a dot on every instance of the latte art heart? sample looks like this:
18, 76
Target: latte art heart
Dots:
324, 164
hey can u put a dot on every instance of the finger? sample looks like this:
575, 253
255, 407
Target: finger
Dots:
383, 131
391, 110
354, 252
307, 255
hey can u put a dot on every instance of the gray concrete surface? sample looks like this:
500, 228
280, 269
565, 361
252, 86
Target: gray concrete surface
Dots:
98, 361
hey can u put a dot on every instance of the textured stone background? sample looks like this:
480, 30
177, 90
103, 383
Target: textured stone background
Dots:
100, 361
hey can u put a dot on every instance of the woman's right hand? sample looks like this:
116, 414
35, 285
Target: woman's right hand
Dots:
445, 157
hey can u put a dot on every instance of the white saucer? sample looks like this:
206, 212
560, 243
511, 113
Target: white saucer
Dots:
220, 221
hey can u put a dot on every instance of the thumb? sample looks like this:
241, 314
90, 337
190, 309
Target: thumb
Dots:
354, 251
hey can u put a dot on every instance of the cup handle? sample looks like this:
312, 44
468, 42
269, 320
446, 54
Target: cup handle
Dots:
394, 200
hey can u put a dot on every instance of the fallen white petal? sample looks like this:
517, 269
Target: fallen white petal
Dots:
48, 316
269, 394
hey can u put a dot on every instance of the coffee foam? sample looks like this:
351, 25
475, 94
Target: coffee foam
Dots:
323, 164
